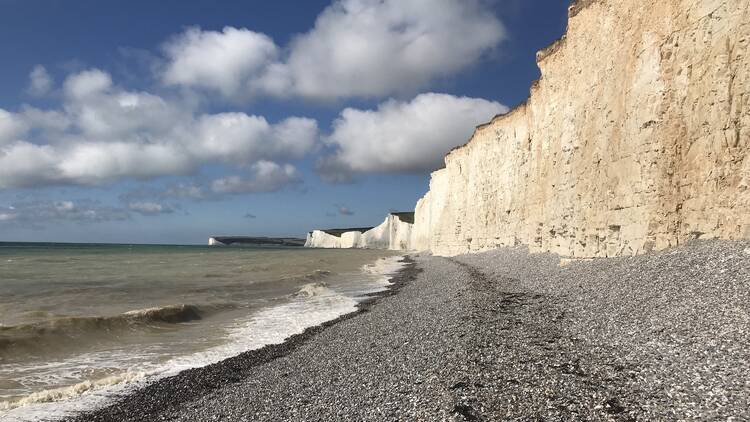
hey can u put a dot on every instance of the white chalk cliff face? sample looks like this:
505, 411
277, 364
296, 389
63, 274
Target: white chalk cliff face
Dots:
321, 239
392, 234
636, 137
213, 242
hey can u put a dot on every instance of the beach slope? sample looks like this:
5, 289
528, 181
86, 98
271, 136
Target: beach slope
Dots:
496, 336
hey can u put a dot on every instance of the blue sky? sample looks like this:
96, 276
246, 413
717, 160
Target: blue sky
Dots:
170, 121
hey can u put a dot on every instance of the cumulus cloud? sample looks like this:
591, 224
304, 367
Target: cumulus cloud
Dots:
265, 176
100, 162
378, 47
104, 133
12, 126
24, 164
357, 48
51, 122
239, 137
402, 136
217, 60
87, 83
40, 81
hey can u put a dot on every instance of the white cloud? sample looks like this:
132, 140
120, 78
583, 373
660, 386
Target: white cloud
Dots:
86, 83
378, 47
7, 216
33, 213
265, 176
120, 114
64, 206
236, 137
12, 126
104, 133
40, 82
149, 208
357, 48
294, 137
260, 177
217, 60
23, 164
104, 112
403, 136
49, 121
38, 212
186, 191
91, 163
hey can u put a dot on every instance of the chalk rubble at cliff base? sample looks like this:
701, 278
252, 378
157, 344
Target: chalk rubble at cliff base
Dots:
507, 335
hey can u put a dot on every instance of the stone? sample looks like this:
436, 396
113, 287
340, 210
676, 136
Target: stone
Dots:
635, 138
393, 233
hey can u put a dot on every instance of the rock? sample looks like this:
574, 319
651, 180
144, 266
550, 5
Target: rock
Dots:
613, 406
393, 233
635, 138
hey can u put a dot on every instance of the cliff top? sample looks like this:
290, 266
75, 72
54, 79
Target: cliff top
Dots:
406, 217
250, 240
339, 232
576, 6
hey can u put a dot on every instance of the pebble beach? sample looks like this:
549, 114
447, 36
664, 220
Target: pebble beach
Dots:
501, 335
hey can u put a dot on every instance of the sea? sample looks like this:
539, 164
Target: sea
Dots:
83, 323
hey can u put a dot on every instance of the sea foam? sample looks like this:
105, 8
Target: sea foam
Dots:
313, 304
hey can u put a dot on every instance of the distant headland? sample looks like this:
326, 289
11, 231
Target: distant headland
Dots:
254, 241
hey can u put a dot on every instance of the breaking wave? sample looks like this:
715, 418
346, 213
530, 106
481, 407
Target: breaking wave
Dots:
62, 393
319, 296
84, 329
314, 290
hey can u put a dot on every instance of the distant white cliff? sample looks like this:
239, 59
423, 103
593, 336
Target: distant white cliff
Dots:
213, 242
395, 233
254, 241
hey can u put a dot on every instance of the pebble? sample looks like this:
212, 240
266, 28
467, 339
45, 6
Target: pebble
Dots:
501, 335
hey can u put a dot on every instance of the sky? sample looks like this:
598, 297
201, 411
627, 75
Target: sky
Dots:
171, 121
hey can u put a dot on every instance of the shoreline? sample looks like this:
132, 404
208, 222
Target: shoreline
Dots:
189, 384
500, 335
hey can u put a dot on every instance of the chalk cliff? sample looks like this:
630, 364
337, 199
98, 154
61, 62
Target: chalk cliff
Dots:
254, 241
636, 137
393, 233
321, 239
